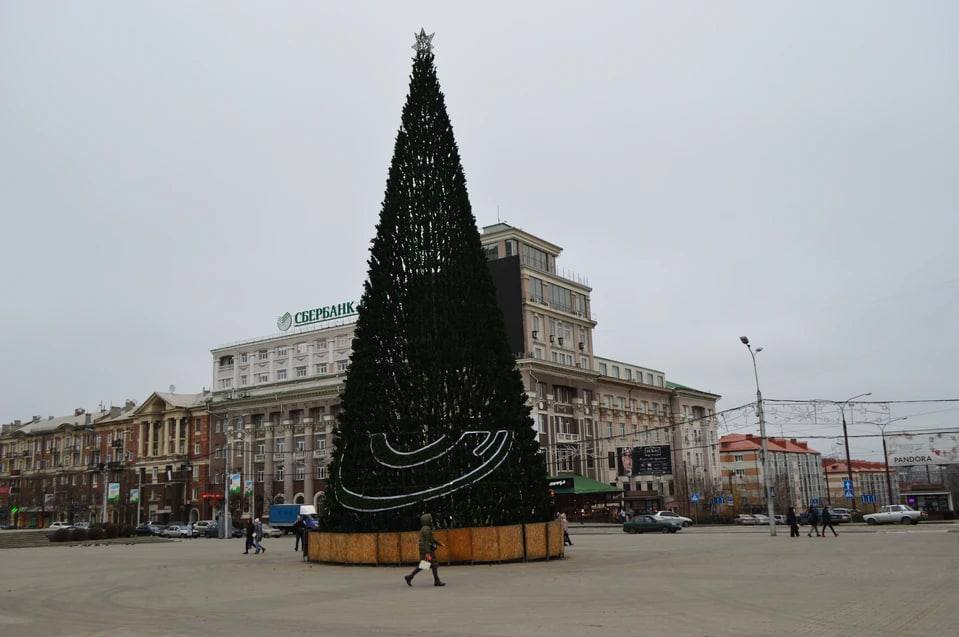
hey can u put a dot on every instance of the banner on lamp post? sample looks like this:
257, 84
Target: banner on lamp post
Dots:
234, 484
134, 496
247, 488
113, 492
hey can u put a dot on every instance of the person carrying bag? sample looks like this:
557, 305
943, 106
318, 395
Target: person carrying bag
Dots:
427, 547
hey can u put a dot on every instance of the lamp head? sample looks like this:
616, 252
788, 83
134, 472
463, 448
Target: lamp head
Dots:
745, 341
759, 349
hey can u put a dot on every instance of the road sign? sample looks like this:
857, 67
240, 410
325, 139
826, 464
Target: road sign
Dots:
847, 491
816, 502
868, 498
695, 497
729, 500
719, 500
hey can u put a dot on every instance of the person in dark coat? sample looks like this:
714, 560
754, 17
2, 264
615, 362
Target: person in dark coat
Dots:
298, 527
827, 520
792, 522
428, 546
249, 537
812, 516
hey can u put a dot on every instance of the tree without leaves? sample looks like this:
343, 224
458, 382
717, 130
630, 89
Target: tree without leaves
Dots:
430, 354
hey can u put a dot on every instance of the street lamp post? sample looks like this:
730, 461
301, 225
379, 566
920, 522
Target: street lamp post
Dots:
845, 437
762, 435
885, 455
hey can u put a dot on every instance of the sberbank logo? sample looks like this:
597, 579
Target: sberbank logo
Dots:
316, 315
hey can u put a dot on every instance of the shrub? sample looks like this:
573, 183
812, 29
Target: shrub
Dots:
949, 515
95, 533
127, 531
110, 531
60, 535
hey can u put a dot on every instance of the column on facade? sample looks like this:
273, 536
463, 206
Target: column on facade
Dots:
150, 433
176, 434
310, 471
268, 467
289, 463
165, 441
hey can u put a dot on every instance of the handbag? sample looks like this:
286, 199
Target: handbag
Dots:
424, 565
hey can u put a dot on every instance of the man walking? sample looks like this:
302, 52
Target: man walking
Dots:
827, 519
258, 537
298, 528
812, 516
249, 536
427, 551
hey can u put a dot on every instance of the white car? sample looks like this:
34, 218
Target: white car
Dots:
671, 516
60, 525
270, 531
901, 513
175, 530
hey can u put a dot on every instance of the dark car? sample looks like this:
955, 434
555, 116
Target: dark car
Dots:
651, 524
148, 528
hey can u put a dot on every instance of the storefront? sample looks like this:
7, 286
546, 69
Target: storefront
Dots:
584, 499
935, 503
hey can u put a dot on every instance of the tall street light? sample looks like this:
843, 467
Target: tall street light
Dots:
762, 436
845, 437
885, 454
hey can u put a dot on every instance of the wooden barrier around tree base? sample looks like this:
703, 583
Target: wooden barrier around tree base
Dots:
481, 544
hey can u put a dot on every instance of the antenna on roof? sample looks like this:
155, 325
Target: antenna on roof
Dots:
497, 214
172, 389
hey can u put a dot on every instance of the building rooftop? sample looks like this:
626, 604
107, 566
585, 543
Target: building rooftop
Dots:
79, 418
834, 465
749, 442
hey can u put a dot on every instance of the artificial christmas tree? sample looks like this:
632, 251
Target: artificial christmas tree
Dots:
433, 415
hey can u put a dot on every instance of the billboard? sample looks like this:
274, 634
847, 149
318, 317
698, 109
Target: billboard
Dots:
907, 450
134, 496
113, 492
234, 484
651, 460
248, 488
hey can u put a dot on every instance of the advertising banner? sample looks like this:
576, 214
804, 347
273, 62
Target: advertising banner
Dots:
134, 496
234, 484
247, 488
651, 460
113, 492
907, 450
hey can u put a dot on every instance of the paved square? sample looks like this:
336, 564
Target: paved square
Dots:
698, 582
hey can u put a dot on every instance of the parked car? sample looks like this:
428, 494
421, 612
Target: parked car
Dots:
200, 527
175, 530
761, 519
213, 530
745, 519
649, 523
780, 519
272, 531
82, 525
673, 516
841, 515
148, 528
60, 525
895, 513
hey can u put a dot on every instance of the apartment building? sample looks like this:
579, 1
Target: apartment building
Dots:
795, 472
868, 478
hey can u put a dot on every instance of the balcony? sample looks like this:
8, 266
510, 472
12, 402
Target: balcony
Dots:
259, 457
320, 453
562, 436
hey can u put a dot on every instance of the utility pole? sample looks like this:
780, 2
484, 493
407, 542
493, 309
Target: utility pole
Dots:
762, 435
225, 522
885, 455
139, 492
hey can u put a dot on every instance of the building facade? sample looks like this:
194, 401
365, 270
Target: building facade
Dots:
795, 472
868, 479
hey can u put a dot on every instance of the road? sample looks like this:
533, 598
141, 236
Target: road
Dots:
890, 581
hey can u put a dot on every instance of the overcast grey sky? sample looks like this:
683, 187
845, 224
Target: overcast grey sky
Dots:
175, 175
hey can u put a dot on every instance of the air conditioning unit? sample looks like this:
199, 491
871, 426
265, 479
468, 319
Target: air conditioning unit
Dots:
587, 411
535, 335
577, 401
582, 346
560, 340
541, 405
552, 339
549, 397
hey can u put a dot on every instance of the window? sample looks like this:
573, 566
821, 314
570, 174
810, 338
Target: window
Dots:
259, 475
319, 442
281, 374
341, 366
197, 427
216, 478
611, 459
629, 374
263, 354
300, 444
261, 447
244, 357
196, 448
195, 494
262, 378
226, 361
602, 369
534, 257
301, 371
219, 426
615, 371
649, 379
622, 429
300, 472
538, 353
491, 251
242, 379
343, 341
740, 473
280, 445
279, 473
300, 348
622, 402
281, 352
510, 247
321, 473
320, 368
609, 430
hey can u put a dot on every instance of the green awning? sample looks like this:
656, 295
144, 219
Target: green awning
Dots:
571, 483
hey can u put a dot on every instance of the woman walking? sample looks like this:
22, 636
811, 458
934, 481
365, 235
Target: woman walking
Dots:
792, 522
249, 537
812, 516
427, 551
565, 523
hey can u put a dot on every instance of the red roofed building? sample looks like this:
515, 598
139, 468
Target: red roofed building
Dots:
796, 472
868, 478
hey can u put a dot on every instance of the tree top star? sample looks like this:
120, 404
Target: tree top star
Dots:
424, 42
